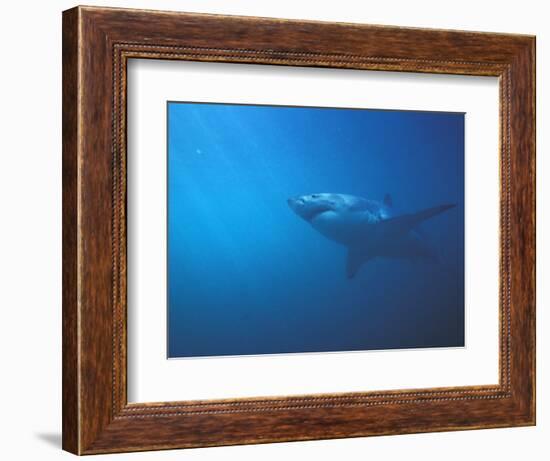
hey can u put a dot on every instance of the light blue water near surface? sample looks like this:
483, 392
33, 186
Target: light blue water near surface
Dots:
247, 276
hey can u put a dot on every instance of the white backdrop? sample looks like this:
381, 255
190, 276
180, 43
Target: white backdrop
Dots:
30, 247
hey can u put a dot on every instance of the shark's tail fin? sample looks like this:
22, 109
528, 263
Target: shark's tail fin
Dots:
400, 225
395, 228
428, 213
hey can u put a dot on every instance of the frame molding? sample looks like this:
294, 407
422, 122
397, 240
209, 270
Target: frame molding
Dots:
97, 43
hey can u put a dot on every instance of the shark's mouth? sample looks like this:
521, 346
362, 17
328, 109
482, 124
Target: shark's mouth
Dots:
316, 212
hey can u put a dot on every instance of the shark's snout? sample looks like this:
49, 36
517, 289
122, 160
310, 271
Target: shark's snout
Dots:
308, 206
294, 203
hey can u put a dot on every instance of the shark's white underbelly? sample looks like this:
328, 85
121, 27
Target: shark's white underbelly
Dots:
349, 229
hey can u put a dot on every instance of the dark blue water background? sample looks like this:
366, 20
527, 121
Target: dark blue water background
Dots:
248, 276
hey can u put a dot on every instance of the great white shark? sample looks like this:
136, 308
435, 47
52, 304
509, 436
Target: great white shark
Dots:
368, 228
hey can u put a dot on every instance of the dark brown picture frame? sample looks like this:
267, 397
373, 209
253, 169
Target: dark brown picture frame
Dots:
97, 44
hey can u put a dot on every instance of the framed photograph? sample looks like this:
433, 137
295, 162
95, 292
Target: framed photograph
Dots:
281, 230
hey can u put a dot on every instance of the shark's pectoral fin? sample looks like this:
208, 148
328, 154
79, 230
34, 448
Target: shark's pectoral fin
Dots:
356, 259
400, 225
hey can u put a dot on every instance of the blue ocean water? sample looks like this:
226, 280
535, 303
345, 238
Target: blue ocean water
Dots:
246, 275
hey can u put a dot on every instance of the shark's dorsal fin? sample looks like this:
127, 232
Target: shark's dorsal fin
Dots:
388, 200
356, 259
400, 225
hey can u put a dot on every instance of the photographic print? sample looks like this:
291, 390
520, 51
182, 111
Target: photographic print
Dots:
269, 238
313, 229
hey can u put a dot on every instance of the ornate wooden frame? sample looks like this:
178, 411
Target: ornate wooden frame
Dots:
97, 43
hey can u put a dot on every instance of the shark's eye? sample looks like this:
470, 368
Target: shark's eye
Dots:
315, 195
